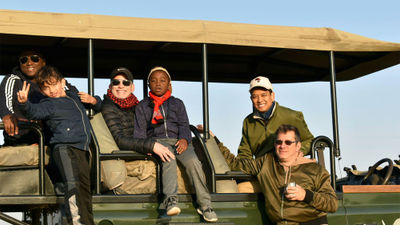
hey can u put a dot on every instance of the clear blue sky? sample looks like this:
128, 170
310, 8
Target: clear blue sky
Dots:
368, 107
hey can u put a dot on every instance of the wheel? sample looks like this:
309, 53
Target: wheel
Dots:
373, 168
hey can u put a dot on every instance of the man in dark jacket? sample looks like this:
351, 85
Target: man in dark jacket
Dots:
30, 62
118, 110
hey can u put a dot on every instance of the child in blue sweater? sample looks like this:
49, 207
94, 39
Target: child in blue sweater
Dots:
163, 117
65, 116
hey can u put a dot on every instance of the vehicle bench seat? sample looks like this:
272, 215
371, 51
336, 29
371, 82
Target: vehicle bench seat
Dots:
128, 172
19, 170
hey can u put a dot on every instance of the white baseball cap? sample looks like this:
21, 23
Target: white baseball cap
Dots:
262, 82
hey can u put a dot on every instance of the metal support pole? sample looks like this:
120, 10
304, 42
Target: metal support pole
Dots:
90, 72
205, 95
334, 105
91, 113
336, 148
145, 88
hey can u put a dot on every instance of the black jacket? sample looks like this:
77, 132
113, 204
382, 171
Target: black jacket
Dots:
65, 117
120, 122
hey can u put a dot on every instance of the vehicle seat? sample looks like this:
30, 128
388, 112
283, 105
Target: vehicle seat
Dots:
20, 170
128, 172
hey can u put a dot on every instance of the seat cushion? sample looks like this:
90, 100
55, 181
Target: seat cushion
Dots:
27, 155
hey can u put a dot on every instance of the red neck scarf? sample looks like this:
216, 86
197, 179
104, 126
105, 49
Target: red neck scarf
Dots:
157, 115
128, 102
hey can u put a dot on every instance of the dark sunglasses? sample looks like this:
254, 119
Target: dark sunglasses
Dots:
116, 82
287, 142
24, 59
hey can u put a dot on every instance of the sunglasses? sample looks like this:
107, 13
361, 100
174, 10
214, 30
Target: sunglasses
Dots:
287, 142
116, 82
24, 59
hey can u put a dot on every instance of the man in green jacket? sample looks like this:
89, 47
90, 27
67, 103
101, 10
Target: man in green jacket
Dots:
259, 126
297, 190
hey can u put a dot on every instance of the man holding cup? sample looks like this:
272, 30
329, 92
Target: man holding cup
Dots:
297, 190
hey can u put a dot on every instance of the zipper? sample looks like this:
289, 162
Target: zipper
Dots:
288, 174
165, 121
83, 121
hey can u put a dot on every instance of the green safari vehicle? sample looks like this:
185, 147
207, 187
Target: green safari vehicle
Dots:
90, 46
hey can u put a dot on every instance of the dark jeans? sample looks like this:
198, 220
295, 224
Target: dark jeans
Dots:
74, 168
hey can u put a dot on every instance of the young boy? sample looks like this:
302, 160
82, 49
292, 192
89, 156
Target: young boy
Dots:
65, 116
163, 117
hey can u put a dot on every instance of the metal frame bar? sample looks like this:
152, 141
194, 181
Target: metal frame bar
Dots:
324, 142
208, 158
206, 122
334, 104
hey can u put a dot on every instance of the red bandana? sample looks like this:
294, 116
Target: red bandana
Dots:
157, 115
128, 102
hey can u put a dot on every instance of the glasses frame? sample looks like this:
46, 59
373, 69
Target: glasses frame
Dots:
24, 59
287, 142
116, 82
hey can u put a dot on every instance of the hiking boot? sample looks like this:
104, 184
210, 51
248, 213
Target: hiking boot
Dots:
172, 207
208, 214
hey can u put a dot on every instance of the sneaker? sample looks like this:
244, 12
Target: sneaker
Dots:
172, 207
208, 214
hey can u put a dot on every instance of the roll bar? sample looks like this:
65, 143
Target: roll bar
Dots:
318, 145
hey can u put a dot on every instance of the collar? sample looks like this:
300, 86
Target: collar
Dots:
266, 115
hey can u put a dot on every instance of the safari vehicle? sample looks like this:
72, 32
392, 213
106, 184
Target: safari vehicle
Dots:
203, 51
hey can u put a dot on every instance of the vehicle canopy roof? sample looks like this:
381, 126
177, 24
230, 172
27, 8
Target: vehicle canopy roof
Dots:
235, 52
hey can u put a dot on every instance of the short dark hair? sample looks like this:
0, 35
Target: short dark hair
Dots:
284, 128
47, 74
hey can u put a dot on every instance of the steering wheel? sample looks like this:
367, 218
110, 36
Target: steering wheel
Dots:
373, 168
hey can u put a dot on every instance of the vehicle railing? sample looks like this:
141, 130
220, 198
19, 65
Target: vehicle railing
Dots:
318, 145
229, 175
35, 127
236, 175
207, 155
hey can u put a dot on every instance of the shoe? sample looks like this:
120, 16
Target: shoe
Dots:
172, 207
208, 214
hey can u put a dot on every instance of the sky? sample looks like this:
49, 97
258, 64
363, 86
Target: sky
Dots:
368, 107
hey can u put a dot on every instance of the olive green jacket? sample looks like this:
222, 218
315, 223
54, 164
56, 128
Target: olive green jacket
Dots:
320, 196
258, 135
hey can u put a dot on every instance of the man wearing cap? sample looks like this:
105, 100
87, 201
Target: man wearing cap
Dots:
259, 127
118, 110
258, 132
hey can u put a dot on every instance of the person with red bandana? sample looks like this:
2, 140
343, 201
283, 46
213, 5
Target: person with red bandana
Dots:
118, 111
164, 118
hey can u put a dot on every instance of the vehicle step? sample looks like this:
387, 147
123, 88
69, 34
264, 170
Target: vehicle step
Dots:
189, 223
